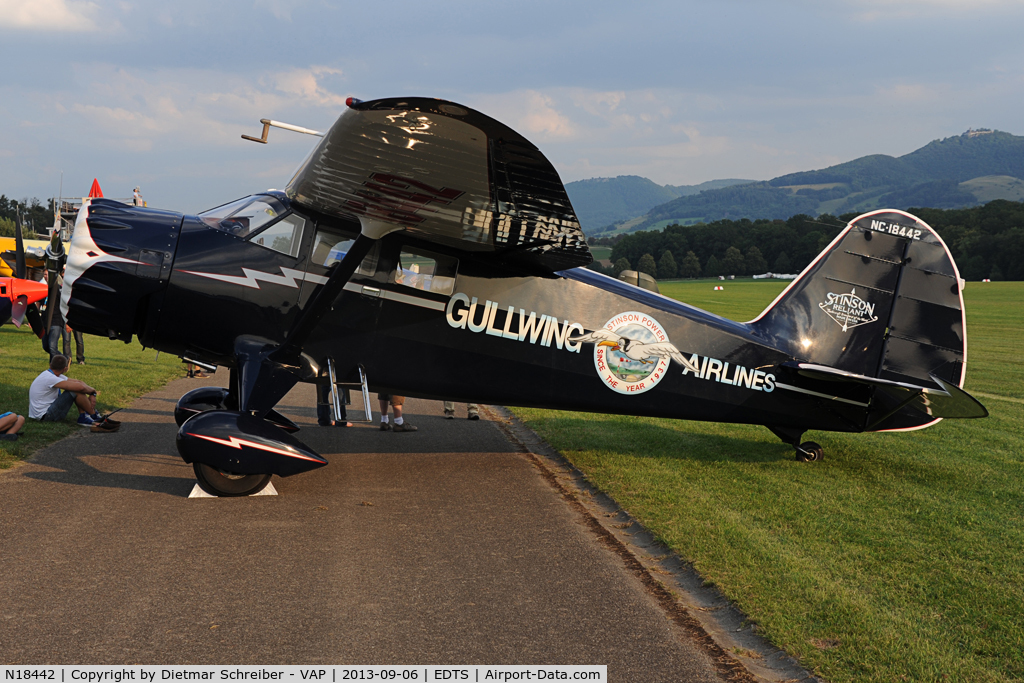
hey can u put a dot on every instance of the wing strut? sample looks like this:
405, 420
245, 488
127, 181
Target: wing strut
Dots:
324, 299
267, 372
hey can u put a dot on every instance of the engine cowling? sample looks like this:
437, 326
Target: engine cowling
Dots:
119, 263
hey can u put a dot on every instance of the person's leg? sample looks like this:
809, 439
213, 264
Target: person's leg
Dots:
10, 425
323, 409
449, 409
79, 348
86, 404
400, 424
65, 337
58, 410
472, 411
53, 339
344, 399
382, 399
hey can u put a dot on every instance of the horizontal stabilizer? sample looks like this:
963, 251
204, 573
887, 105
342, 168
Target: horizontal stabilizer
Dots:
444, 173
947, 401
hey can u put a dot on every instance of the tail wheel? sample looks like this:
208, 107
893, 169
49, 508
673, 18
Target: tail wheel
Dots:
226, 484
810, 451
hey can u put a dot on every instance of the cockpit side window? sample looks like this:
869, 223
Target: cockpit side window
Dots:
332, 243
284, 236
244, 216
425, 270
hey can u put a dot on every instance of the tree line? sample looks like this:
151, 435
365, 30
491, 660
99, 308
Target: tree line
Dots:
723, 247
35, 217
986, 242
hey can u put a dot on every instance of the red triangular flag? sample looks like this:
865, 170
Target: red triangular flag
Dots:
95, 191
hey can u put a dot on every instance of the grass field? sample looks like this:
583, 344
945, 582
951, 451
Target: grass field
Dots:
898, 558
119, 371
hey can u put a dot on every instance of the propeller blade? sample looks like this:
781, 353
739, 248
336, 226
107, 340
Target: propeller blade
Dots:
55, 258
52, 299
18, 311
19, 246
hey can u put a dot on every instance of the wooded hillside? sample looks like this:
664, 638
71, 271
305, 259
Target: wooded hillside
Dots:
986, 241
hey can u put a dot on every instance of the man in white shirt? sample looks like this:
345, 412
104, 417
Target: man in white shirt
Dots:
52, 394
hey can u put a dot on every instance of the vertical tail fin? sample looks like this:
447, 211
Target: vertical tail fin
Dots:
883, 300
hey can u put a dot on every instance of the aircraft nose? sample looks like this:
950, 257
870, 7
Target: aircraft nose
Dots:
118, 265
32, 291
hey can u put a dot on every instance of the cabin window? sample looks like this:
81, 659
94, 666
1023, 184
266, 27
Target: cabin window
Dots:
244, 216
424, 270
284, 236
331, 244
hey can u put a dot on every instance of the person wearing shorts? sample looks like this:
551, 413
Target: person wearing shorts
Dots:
52, 394
10, 425
396, 406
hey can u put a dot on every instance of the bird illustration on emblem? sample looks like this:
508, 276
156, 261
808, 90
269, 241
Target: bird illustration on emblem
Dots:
636, 350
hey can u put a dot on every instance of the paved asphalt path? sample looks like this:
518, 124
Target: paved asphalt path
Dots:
445, 546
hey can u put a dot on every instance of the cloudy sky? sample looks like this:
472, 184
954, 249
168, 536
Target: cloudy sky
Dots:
157, 93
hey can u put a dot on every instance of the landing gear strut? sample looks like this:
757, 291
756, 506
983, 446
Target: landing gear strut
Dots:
808, 451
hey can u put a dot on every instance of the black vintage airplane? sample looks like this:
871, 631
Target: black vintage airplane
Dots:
435, 250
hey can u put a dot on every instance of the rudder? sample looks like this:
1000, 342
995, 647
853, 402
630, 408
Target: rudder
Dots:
883, 300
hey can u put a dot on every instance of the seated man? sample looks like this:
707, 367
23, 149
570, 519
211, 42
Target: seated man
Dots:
52, 394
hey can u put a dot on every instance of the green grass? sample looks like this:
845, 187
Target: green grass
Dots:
119, 371
897, 558
601, 253
741, 299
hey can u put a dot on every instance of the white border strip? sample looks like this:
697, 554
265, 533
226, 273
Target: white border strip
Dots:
790, 387
399, 297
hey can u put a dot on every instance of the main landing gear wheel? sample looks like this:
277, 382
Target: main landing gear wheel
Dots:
810, 451
226, 484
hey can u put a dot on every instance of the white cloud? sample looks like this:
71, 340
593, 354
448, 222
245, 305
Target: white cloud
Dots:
306, 84
875, 10
963, 5
915, 93
530, 112
139, 110
280, 9
598, 103
49, 15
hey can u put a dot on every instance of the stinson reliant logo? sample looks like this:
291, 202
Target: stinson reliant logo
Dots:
848, 310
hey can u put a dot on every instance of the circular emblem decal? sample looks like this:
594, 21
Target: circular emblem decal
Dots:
631, 359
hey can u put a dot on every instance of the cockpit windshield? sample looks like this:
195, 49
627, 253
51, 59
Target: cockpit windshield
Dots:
245, 215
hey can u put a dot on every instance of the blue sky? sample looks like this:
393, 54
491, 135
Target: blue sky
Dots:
157, 94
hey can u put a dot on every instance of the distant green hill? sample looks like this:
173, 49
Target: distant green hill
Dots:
957, 172
604, 201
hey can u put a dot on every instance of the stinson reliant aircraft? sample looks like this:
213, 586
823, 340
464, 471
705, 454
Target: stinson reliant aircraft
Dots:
434, 250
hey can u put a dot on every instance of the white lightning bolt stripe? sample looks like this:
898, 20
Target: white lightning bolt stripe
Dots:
234, 442
287, 278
